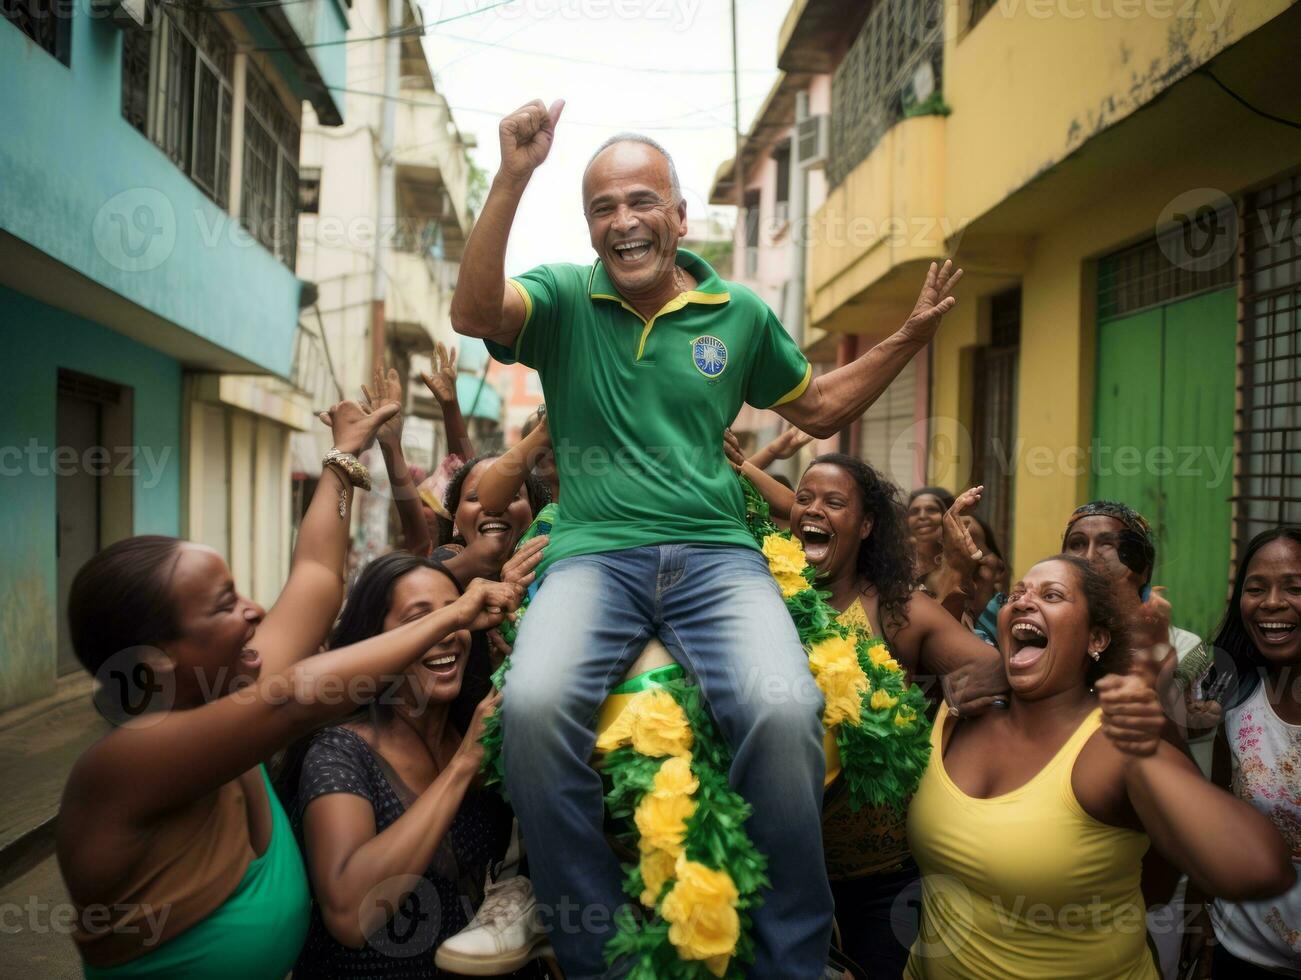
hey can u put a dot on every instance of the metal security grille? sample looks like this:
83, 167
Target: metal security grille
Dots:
868, 87
1269, 419
135, 78
1166, 267
270, 195
47, 22
176, 89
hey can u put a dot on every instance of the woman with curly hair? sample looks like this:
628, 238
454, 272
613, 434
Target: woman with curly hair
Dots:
478, 538
851, 522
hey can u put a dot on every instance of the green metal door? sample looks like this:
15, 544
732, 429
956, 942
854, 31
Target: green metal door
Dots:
1164, 440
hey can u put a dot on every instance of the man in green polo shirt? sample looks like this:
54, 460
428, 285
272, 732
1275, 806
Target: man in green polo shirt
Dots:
645, 357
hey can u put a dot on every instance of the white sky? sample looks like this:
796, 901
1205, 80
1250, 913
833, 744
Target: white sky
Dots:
519, 51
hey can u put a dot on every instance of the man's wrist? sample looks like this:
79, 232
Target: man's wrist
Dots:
510, 183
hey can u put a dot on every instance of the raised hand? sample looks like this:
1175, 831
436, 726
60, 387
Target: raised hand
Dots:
1132, 715
933, 302
732, 449
470, 747
385, 390
789, 443
441, 382
526, 136
519, 569
354, 427
960, 551
486, 603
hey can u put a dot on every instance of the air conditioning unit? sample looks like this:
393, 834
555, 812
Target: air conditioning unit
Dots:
812, 139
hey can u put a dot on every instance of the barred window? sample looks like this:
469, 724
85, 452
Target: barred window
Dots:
176, 89
869, 86
47, 22
270, 192
1269, 421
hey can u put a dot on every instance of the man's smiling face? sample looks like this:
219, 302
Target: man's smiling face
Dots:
634, 217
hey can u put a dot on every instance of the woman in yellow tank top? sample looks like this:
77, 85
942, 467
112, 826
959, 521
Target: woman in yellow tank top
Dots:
1029, 827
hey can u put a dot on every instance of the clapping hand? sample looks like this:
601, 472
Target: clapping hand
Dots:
385, 391
441, 382
960, 551
354, 427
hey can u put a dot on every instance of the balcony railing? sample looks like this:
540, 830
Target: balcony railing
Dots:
897, 54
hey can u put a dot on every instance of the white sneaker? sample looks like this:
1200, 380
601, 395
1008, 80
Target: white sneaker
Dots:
503, 936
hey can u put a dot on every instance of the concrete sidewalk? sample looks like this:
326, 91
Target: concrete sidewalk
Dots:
38, 745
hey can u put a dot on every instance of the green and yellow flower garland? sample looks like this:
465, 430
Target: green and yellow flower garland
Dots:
878, 718
698, 874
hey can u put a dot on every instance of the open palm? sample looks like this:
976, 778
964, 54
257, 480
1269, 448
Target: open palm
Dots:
385, 390
933, 302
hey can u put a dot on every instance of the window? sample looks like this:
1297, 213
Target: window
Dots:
47, 22
1269, 421
309, 190
889, 418
176, 89
994, 413
270, 193
781, 156
1144, 276
751, 232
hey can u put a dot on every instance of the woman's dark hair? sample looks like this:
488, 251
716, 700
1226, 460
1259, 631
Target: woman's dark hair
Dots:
1104, 613
122, 598
539, 496
368, 603
1232, 637
885, 557
939, 493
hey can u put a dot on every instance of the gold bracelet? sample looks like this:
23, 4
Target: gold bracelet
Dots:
352, 467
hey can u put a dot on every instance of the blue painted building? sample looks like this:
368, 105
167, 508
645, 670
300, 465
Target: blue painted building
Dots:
148, 208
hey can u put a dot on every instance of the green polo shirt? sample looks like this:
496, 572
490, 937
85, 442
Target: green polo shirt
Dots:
637, 408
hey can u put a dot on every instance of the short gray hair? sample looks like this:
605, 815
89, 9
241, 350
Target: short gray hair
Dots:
629, 137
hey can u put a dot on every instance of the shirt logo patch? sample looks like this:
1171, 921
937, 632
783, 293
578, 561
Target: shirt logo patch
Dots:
710, 355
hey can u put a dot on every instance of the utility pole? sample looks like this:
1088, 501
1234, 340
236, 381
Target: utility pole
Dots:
374, 516
737, 171
386, 209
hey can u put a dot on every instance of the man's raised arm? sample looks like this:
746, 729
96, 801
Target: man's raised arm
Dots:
484, 304
837, 398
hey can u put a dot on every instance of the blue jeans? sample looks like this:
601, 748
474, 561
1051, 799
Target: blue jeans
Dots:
721, 615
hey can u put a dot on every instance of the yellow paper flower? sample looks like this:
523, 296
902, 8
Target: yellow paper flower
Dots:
881, 701
701, 912
661, 820
675, 778
659, 725
656, 868
717, 965
835, 667
879, 654
791, 583
784, 554
618, 734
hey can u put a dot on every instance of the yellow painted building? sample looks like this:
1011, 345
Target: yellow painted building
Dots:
1075, 159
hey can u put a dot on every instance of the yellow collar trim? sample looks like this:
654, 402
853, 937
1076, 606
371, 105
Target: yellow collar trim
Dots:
676, 303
